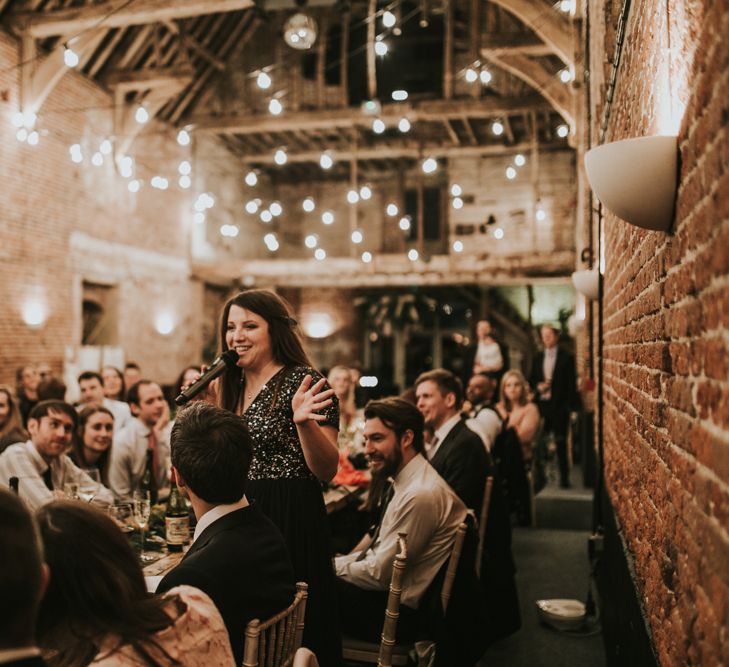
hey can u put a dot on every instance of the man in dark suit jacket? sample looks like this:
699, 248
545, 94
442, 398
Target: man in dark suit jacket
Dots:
459, 456
238, 556
553, 381
23, 580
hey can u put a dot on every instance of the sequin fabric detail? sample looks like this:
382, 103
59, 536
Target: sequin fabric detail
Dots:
277, 452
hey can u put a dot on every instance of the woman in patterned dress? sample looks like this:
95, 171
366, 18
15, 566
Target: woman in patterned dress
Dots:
293, 418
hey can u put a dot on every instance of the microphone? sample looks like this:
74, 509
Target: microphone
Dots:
226, 360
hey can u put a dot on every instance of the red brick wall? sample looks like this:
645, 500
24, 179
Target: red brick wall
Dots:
62, 223
666, 310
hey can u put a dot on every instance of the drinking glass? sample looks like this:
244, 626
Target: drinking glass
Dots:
89, 486
142, 508
123, 515
70, 490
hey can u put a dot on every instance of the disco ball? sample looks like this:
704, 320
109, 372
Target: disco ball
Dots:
300, 31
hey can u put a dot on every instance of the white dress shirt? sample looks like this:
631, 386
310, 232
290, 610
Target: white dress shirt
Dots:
129, 457
489, 355
424, 507
445, 428
487, 424
25, 462
217, 512
550, 361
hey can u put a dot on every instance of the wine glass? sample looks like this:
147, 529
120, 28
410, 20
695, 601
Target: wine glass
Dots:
89, 485
123, 516
70, 490
142, 508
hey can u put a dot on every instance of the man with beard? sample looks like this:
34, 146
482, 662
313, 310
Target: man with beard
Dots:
481, 417
421, 505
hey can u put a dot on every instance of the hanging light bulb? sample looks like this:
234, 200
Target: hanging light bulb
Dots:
251, 178
471, 75
510, 173
352, 196
184, 182
133, 186
311, 241
541, 214
105, 147
198, 218
456, 190
263, 81
378, 126
565, 76
280, 157
21, 134
327, 217
357, 236
519, 160
399, 95
141, 115
365, 192
381, 48
33, 138
276, 209
485, 76
429, 165
403, 125
563, 131
413, 255
457, 246
97, 159
252, 207
325, 160
497, 128
266, 216
308, 204
70, 57
320, 254
498, 233
183, 138
404, 223
388, 19
457, 203
392, 210
275, 107
184, 168
366, 257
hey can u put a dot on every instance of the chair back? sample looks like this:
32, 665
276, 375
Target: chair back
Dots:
305, 658
450, 575
274, 642
482, 522
392, 611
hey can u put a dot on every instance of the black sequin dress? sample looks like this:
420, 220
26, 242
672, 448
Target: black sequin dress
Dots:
287, 491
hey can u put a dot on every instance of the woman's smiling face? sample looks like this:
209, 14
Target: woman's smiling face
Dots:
247, 334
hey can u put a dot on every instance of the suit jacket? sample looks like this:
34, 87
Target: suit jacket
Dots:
463, 462
564, 390
242, 563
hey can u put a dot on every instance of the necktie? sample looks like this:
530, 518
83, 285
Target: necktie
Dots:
386, 501
48, 478
152, 444
432, 446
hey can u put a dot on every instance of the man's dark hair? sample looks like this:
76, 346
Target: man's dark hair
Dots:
446, 381
212, 450
21, 575
90, 375
133, 393
43, 409
399, 416
131, 364
52, 388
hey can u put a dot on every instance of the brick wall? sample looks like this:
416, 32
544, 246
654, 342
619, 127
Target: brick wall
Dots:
62, 223
666, 311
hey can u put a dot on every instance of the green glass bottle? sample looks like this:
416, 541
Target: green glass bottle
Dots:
177, 520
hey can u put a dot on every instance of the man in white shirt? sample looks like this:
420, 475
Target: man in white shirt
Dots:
91, 386
422, 505
23, 580
40, 464
481, 417
149, 429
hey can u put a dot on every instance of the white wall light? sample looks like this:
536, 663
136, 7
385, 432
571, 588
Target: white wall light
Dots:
34, 313
164, 323
587, 283
318, 325
636, 179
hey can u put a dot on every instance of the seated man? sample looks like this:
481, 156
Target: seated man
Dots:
23, 580
40, 464
91, 385
149, 429
481, 416
421, 505
238, 556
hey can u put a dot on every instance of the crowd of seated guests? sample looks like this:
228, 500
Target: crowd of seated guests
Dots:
429, 460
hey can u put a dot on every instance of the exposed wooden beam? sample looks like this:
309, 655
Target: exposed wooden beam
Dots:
118, 14
546, 82
371, 62
205, 53
551, 25
448, 50
410, 150
433, 111
524, 43
153, 77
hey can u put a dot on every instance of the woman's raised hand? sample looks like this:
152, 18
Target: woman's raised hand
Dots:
309, 400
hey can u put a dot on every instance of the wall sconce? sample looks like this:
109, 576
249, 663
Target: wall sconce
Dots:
587, 283
34, 314
318, 325
636, 179
164, 323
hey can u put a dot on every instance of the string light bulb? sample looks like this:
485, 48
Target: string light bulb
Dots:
457, 246
311, 241
381, 48
497, 127
76, 154
485, 77
456, 190
357, 236
263, 81
541, 214
403, 125
183, 138
275, 107
563, 131
141, 115
378, 126
308, 204
353, 196
70, 57
457, 203
21, 134
252, 207
498, 233
388, 19
404, 223
429, 165
565, 76
413, 255
198, 218
320, 254
134, 186
327, 217
365, 192
251, 178
399, 95
519, 160
471, 75
276, 209
184, 181
325, 160
184, 168
97, 159
392, 210
280, 157
266, 216
105, 148
33, 138
510, 173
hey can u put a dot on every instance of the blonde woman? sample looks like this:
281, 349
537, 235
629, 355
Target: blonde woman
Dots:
518, 412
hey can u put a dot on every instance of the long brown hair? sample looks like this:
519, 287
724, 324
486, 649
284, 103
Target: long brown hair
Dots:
14, 421
286, 346
77, 446
97, 589
524, 394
